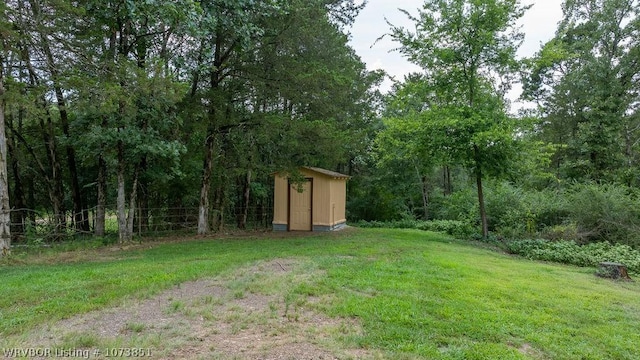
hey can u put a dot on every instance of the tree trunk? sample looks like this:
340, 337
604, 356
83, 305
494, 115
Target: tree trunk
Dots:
216, 77
613, 270
142, 197
244, 211
56, 188
132, 203
203, 213
121, 205
217, 220
102, 198
5, 215
446, 176
483, 213
425, 194
18, 215
81, 223
19, 212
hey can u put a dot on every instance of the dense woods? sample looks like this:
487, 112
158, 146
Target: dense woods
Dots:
156, 110
174, 116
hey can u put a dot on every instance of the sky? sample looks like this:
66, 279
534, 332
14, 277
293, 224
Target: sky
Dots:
538, 24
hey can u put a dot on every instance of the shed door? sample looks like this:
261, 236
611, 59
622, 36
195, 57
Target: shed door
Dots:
300, 206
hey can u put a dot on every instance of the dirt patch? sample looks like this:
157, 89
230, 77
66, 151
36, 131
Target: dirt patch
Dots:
252, 313
531, 352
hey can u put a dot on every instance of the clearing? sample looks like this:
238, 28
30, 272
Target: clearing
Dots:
361, 293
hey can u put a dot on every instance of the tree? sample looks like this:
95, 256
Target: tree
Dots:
279, 74
467, 48
5, 214
126, 97
42, 41
228, 28
122, 97
586, 81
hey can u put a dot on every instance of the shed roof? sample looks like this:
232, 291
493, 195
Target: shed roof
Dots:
333, 174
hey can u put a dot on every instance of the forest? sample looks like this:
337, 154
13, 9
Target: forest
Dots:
129, 117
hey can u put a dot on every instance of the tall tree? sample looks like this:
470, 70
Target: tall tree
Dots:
228, 29
126, 96
33, 81
283, 70
5, 214
47, 25
271, 84
468, 48
586, 81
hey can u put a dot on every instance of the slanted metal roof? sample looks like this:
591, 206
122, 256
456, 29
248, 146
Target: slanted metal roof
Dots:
329, 173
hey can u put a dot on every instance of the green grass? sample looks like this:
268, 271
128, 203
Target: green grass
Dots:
416, 294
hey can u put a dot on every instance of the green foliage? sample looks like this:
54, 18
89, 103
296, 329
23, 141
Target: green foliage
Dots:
567, 231
569, 252
583, 213
605, 212
461, 205
582, 79
467, 50
371, 201
144, 85
457, 228
580, 212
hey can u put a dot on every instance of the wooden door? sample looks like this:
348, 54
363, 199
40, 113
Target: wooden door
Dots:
300, 206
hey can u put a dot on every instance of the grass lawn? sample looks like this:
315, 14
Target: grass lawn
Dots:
415, 294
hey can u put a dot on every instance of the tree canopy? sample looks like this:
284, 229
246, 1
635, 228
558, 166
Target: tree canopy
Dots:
175, 115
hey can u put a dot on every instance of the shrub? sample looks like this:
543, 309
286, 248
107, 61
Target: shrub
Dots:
569, 252
605, 213
561, 232
462, 205
456, 228
584, 213
505, 206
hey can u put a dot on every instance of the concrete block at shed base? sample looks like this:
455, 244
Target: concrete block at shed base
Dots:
335, 227
280, 227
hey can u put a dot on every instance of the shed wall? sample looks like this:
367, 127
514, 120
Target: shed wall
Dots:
328, 201
281, 203
321, 200
338, 201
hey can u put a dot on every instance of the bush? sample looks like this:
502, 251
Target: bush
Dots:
605, 213
583, 213
561, 232
506, 207
462, 205
512, 212
569, 252
455, 228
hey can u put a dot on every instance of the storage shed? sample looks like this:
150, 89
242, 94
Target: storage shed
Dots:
316, 204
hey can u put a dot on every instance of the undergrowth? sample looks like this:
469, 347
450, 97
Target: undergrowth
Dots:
560, 251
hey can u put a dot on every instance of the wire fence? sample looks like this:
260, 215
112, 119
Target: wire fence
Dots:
41, 226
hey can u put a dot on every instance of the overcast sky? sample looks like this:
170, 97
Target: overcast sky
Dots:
539, 24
